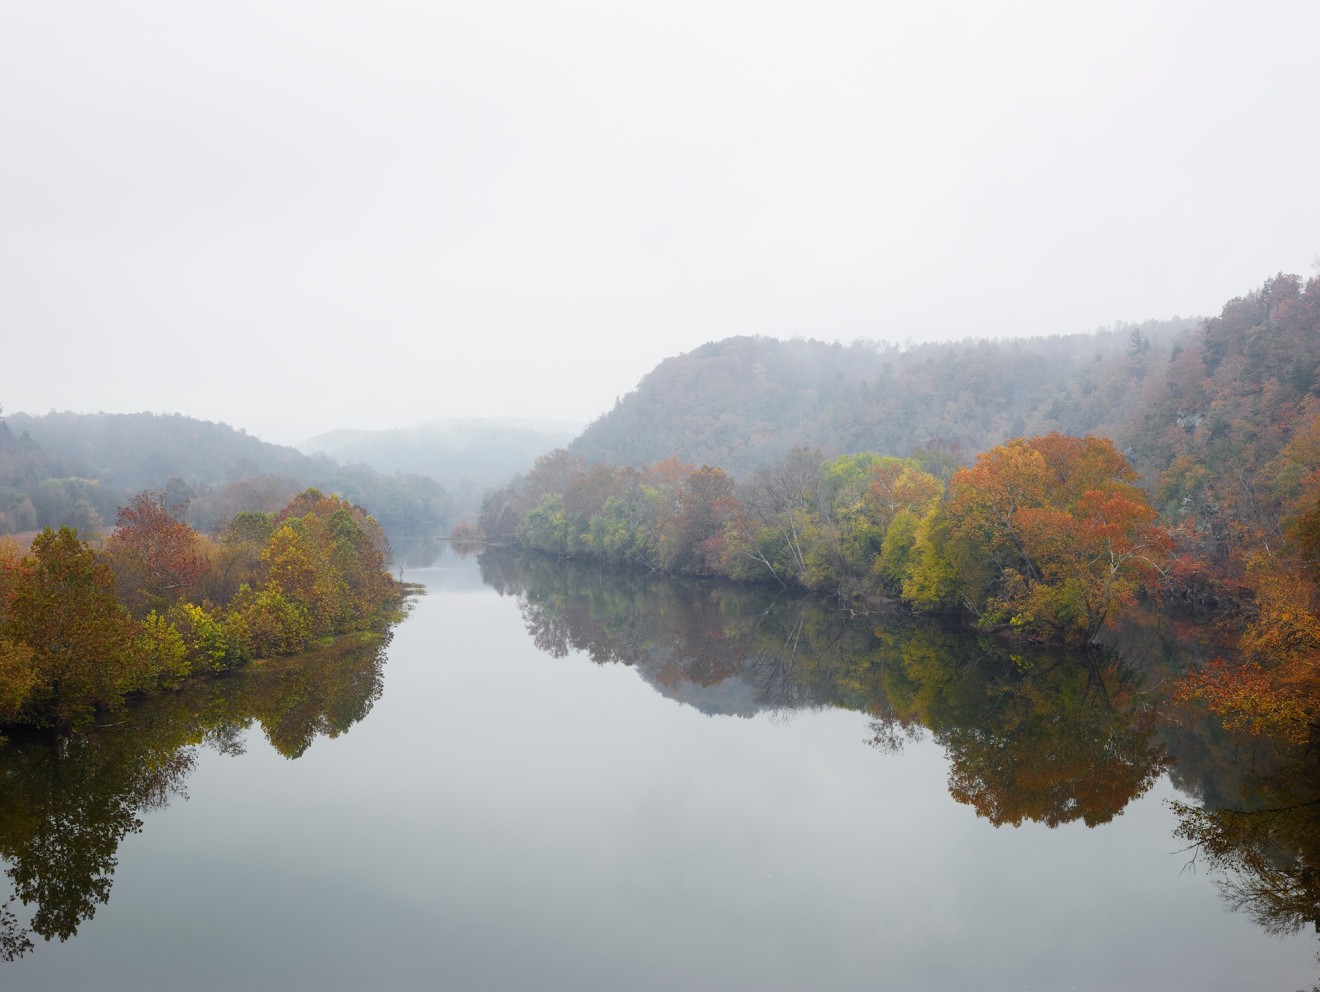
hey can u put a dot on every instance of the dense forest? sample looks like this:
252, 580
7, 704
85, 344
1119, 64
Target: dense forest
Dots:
81, 628
77, 469
1176, 463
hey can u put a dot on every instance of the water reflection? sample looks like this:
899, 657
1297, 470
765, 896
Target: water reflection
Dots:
1042, 736
1031, 735
417, 550
70, 801
1267, 846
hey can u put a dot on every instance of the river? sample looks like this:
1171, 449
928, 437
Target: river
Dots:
556, 778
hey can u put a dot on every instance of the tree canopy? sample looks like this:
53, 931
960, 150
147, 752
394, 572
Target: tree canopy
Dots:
81, 629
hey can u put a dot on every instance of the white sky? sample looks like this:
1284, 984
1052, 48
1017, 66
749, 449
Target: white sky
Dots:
297, 216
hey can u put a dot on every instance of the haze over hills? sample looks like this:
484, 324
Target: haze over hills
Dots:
465, 455
77, 469
1225, 392
741, 403
745, 402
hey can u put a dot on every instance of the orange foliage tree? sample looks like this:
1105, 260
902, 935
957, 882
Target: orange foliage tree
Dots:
156, 557
1046, 534
1273, 687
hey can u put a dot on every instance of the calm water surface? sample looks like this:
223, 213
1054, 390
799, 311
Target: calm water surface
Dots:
707, 797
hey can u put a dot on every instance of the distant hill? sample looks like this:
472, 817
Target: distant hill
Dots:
79, 468
466, 456
746, 401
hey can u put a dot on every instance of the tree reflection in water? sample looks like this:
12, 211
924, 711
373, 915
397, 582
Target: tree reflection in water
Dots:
1031, 735
70, 801
1044, 736
1267, 846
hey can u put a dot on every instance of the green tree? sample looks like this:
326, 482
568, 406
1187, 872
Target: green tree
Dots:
275, 624
214, 641
63, 608
545, 528
160, 648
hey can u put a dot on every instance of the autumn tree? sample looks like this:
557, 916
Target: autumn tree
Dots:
545, 526
272, 623
63, 609
1272, 685
69, 645
900, 495
156, 557
325, 562
18, 675
1099, 556
692, 540
621, 530
1046, 534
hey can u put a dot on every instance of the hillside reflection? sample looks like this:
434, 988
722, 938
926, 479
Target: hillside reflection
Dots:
70, 801
1031, 735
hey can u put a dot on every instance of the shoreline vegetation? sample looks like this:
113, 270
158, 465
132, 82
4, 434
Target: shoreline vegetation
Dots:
1048, 539
1183, 470
83, 629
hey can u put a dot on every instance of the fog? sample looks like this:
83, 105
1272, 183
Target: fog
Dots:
300, 216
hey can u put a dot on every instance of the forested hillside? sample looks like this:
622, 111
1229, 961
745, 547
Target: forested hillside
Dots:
1197, 482
78, 469
745, 402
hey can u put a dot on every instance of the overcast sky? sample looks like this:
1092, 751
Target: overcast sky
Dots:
297, 216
